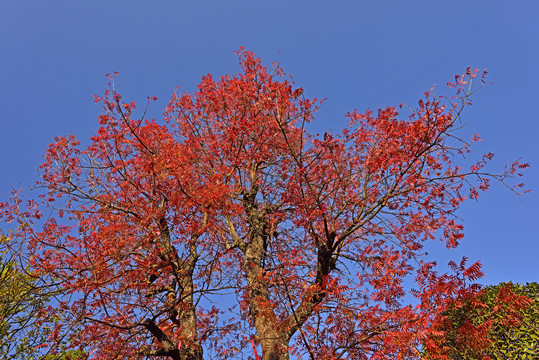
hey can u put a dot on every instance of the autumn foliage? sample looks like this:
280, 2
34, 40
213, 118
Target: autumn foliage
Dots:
501, 322
228, 230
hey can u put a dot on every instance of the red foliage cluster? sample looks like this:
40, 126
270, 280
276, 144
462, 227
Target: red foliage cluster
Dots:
228, 226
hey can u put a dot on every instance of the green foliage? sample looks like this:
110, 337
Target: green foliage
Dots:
520, 340
508, 312
68, 355
24, 324
19, 301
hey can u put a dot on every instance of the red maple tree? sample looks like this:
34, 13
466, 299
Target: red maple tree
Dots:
228, 229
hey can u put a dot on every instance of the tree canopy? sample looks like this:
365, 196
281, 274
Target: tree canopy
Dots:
19, 301
228, 230
25, 322
513, 331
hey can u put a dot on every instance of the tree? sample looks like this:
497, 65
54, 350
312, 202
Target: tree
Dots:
228, 229
19, 301
513, 333
24, 300
67, 355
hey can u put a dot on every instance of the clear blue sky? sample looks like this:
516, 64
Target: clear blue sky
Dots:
357, 54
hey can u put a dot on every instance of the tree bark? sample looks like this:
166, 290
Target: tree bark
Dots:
180, 304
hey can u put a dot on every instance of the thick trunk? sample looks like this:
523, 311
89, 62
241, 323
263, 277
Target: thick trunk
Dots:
180, 304
272, 338
275, 350
181, 312
184, 316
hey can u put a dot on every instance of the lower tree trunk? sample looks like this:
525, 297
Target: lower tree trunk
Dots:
273, 339
274, 349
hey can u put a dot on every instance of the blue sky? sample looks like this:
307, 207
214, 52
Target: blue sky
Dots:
357, 54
